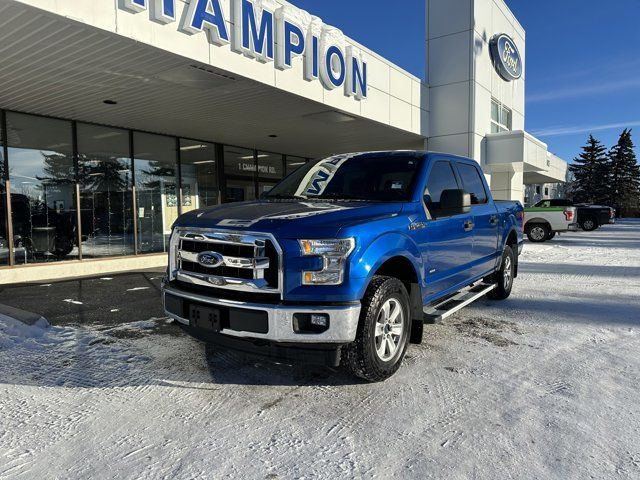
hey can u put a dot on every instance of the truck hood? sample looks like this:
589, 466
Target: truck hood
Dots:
287, 218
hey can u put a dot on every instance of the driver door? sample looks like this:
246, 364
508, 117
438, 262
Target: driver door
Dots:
446, 242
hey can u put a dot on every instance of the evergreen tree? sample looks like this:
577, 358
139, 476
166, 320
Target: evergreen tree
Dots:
590, 173
624, 174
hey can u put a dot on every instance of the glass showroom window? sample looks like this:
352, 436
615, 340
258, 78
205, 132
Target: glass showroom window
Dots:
156, 192
270, 171
104, 166
500, 117
42, 175
199, 177
294, 163
4, 234
240, 169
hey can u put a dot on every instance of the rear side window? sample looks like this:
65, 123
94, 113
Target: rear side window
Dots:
441, 178
472, 183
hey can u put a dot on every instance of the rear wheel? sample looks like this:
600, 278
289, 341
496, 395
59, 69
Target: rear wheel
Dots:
589, 224
551, 235
383, 332
538, 232
504, 276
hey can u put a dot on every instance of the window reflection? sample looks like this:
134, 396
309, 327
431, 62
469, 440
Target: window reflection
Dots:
4, 235
294, 163
104, 165
270, 165
240, 168
42, 178
199, 177
270, 171
156, 192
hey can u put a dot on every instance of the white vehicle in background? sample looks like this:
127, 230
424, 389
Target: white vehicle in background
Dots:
542, 224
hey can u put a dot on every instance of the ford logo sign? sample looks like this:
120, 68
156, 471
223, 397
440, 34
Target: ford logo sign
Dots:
506, 57
210, 259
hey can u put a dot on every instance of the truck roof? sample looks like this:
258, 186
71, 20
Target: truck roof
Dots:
404, 153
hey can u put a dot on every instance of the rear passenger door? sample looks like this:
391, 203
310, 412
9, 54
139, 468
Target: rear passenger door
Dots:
445, 244
485, 220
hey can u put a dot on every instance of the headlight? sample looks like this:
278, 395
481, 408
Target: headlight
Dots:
174, 245
334, 254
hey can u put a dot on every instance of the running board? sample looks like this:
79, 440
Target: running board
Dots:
446, 308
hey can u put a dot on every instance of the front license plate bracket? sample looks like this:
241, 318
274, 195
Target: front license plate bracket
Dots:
206, 318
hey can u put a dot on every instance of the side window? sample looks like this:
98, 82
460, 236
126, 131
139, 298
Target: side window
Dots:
441, 178
472, 183
545, 204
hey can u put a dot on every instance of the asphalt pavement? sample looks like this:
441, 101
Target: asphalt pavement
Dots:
106, 300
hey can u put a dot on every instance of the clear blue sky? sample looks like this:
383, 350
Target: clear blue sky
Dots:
583, 59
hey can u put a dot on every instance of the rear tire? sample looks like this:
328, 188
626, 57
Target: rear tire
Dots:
589, 224
504, 276
551, 235
383, 331
538, 232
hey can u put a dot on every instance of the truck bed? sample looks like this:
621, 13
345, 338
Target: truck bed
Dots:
508, 206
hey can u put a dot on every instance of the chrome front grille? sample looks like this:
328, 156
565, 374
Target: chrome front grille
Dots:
233, 260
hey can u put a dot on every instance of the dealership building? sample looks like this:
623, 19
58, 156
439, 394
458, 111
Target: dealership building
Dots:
119, 115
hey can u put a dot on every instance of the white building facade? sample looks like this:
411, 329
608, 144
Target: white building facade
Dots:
118, 115
474, 110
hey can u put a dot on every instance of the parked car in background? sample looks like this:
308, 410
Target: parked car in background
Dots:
344, 258
542, 223
589, 217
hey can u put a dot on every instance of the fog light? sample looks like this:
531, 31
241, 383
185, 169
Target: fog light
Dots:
310, 322
320, 319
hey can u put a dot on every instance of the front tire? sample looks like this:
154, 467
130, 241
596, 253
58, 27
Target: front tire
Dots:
383, 331
538, 232
504, 276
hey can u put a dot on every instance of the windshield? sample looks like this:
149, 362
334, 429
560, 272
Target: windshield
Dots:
352, 177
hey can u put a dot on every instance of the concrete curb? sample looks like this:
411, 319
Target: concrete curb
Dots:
27, 318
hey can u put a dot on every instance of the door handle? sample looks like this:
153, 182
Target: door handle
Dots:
493, 220
468, 225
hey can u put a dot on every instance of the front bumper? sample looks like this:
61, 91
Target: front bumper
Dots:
343, 319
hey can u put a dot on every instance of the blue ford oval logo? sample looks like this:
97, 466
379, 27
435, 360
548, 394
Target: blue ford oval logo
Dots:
506, 57
210, 259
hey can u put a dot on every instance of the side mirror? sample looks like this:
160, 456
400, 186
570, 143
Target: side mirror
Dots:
454, 202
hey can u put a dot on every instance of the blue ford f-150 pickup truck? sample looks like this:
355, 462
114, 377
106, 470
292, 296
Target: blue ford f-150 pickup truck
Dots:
344, 259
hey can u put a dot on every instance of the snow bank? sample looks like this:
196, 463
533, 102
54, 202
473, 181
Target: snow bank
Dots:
13, 332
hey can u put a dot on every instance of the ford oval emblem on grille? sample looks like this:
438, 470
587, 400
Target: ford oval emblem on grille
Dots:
210, 259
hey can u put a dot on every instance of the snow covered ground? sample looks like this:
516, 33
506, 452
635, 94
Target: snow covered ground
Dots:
543, 385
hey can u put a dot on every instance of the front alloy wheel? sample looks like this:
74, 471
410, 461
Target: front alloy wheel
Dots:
383, 331
389, 329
